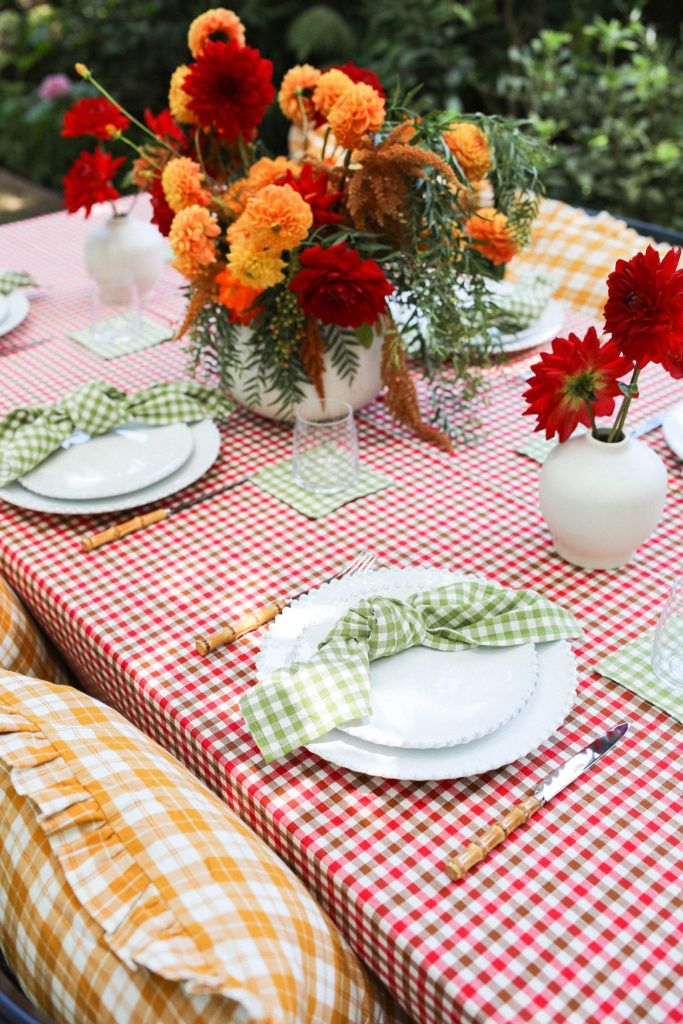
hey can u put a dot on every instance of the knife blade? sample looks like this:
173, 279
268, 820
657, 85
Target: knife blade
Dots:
97, 540
549, 787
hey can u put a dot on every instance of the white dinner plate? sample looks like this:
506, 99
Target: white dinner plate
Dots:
206, 444
17, 310
4, 307
673, 429
126, 459
292, 636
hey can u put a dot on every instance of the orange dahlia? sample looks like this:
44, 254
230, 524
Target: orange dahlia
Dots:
192, 239
358, 111
490, 233
255, 268
468, 145
267, 171
217, 22
239, 298
178, 99
331, 87
295, 93
276, 218
182, 183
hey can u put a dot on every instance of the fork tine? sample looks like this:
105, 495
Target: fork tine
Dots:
367, 562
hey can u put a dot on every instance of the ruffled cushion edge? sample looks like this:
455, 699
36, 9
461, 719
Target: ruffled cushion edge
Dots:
138, 926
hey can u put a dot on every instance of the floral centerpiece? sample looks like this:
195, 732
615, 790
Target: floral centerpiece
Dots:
297, 267
602, 493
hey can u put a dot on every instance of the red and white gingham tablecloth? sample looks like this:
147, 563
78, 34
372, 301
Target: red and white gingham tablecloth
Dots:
576, 918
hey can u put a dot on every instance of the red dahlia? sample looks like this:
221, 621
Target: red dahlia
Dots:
230, 87
338, 287
94, 116
162, 214
89, 180
312, 187
576, 373
164, 127
644, 311
357, 74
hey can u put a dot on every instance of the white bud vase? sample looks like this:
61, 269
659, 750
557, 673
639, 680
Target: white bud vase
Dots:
123, 243
601, 501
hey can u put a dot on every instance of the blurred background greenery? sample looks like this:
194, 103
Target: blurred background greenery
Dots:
602, 82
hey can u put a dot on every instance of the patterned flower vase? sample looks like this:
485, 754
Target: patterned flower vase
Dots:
358, 389
123, 243
601, 501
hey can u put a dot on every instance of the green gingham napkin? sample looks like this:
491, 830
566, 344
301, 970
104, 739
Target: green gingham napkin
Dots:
150, 333
11, 279
524, 304
297, 704
632, 668
278, 481
30, 433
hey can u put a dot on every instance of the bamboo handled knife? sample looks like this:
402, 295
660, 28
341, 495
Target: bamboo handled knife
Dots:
551, 785
96, 540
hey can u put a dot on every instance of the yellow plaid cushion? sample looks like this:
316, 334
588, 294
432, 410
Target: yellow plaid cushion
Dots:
132, 894
22, 648
578, 251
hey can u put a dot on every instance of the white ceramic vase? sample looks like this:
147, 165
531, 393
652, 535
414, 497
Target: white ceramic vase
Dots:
123, 244
601, 501
364, 387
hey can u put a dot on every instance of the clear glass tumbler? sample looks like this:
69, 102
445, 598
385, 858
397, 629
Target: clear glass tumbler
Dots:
115, 309
667, 649
325, 449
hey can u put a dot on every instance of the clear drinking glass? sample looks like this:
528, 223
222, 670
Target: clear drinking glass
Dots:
115, 308
325, 451
667, 649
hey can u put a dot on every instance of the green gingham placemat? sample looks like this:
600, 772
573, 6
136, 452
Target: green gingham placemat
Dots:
295, 705
537, 448
151, 333
278, 481
632, 668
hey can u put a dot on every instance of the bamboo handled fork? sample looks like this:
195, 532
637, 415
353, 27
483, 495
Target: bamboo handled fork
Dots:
261, 616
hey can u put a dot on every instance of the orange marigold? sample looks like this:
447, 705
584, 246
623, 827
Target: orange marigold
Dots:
276, 218
177, 97
468, 145
182, 184
331, 86
295, 92
490, 233
192, 239
256, 268
358, 111
218, 21
239, 298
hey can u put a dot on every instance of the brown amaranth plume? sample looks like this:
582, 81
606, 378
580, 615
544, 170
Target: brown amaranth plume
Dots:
312, 351
203, 290
401, 396
377, 189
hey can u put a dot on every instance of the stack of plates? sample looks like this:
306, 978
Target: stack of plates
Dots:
673, 429
13, 309
436, 714
130, 466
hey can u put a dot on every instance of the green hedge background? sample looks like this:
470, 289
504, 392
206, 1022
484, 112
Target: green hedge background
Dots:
602, 82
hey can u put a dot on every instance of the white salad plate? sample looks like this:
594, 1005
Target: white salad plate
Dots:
205, 447
126, 459
297, 631
16, 311
4, 307
673, 429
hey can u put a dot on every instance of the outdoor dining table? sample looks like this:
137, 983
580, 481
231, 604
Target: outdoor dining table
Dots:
577, 917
